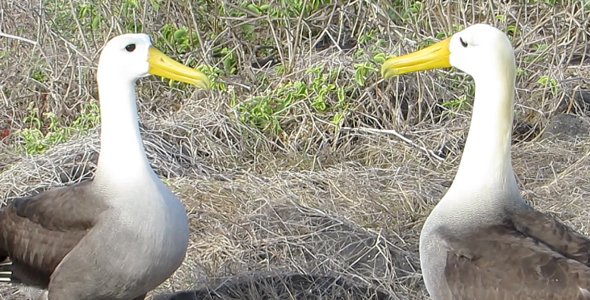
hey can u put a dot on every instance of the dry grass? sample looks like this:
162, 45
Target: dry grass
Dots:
313, 197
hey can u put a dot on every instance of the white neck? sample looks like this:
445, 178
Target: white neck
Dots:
486, 164
484, 185
122, 153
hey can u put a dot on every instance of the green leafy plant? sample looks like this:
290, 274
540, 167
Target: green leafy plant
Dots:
36, 137
549, 82
412, 11
361, 72
258, 8
318, 90
454, 105
182, 38
88, 15
229, 60
213, 72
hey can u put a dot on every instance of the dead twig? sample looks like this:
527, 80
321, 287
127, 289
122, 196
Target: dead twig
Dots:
10, 36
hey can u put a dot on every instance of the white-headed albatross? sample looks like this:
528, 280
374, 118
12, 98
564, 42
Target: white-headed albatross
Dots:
121, 234
482, 241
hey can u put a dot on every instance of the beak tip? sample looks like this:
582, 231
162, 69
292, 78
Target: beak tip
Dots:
204, 84
387, 73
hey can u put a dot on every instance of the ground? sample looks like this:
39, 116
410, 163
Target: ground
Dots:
301, 159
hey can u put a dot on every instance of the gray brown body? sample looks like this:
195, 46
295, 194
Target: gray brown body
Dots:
525, 254
71, 242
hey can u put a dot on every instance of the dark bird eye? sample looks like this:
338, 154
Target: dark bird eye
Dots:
463, 43
130, 47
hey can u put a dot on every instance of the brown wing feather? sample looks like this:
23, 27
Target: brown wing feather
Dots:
506, 264
553, 233
37, 232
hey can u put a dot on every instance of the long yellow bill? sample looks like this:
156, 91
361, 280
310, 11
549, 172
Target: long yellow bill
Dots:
164, 66
434, 56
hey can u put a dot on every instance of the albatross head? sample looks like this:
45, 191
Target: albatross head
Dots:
132, 56
474, 50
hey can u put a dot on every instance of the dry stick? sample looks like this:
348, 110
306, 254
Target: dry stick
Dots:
567, 170
73, 47
403, 138
10, 36
80, 30
199, 37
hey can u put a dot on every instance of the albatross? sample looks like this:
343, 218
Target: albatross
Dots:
482, 240
122, 233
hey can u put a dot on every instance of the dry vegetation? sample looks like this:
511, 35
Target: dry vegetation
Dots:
291, 167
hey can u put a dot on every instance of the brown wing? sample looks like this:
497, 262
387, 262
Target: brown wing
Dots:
37, 232
553, 233
504, 263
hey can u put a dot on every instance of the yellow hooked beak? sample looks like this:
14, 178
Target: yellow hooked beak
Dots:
164, 66
434, 56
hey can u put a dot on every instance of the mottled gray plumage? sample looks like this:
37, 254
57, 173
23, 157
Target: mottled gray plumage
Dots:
38, 231
527, 256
